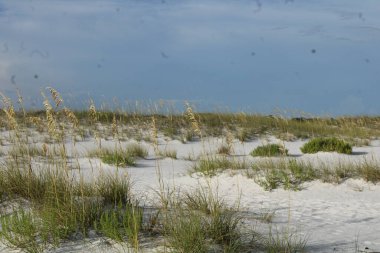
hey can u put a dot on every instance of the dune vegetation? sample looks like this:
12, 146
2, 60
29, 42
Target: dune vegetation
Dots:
48, 200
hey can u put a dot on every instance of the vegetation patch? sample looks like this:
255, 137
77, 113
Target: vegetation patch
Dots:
171, 153
326, 145
270, 150
210, 166
292, 173
285, 241
119, 156
224, 150
289, 174
59, 207
136, 150
202, 222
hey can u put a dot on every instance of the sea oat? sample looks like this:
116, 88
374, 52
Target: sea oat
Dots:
194, 123
154, 134
9, 111
52, 125
92, 112
71, 116
56, 96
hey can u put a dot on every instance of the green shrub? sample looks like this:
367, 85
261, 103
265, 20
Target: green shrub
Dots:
326, 145
269, 150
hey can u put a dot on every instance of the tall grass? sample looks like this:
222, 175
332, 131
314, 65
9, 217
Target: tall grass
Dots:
181, 126
201, 221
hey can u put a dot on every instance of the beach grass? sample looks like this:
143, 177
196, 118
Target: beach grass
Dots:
40, 170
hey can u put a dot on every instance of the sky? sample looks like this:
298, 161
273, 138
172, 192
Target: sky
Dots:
320, 57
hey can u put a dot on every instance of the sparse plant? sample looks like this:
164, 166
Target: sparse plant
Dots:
369, 171
243, 135
210, 166
20, 230
171, 153
137, 150
285, 241
224, 150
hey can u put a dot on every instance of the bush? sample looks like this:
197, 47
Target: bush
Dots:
270, 150
327, 145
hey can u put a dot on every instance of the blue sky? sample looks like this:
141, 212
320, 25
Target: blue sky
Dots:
320, 57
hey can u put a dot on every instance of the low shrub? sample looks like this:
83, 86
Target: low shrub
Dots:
327, 145
270, 150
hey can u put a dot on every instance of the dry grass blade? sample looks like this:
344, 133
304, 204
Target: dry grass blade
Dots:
56, 96
194, 123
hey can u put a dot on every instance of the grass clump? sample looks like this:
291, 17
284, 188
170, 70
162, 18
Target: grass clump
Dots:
292, 173
210, 166
20, 230
59, 208
137, 150
120, 223
327, 145
203, 223
170, 153
289, 174
270, 150
285, 241
118, 157
369, 171
224, 150
186, 232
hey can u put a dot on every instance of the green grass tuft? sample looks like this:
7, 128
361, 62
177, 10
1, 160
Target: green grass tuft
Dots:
270, 150
210, 166
118, 157
327, 145
137, 151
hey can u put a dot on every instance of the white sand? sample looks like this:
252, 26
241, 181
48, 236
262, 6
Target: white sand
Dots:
332, 216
